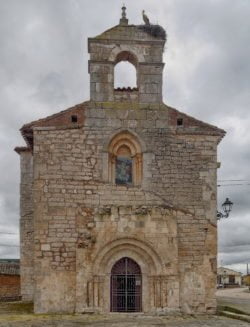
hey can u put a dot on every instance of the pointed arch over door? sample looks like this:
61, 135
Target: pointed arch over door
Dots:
126, 286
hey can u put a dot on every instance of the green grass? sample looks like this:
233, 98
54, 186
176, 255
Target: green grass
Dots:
16, 307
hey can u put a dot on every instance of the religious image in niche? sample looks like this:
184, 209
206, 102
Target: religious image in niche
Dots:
123, 174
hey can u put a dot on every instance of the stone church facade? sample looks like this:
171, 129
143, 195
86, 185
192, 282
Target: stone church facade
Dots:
118, 194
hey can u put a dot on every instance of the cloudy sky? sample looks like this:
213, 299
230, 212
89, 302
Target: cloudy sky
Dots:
43, 69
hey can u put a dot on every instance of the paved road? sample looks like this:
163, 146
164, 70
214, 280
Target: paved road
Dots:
122, 321
236, 293
238, 298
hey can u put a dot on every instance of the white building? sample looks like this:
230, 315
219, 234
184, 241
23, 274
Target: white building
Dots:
228, 277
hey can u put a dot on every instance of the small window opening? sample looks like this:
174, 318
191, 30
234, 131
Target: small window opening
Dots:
123, 167
125, 76
74, 119
179, 122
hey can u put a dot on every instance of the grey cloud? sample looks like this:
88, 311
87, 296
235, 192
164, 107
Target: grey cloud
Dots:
51, 89
218, 82
235, 258
243, 249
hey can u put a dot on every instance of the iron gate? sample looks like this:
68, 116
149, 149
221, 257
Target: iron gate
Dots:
126, 286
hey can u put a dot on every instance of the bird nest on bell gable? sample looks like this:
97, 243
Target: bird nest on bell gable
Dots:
154, 30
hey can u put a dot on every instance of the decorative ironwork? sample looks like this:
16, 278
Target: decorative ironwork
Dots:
124, 20
126, 286
124, 12
227, 207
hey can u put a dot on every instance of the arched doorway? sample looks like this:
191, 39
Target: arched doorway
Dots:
126, 286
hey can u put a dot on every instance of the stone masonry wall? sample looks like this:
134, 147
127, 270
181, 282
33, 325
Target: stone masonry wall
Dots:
71, 183
147, 233
26, 226
140, 49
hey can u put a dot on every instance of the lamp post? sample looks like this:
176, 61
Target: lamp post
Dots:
227, 207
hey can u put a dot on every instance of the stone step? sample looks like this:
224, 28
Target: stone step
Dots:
238, 316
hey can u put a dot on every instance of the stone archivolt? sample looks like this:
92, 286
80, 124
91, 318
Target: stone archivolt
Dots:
145, 255
148, 260
126, 56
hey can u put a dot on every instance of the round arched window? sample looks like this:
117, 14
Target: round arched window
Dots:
125, 160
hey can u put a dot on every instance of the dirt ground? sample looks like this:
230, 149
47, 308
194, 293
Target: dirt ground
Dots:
20, 315
115, 321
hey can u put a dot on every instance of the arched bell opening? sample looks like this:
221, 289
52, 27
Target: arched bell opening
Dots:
125, 72
125, 77
126, 286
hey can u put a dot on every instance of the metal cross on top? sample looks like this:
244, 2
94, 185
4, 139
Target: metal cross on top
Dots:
124, 11
124, 20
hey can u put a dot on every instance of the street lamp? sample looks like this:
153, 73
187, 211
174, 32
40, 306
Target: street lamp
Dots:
227, 207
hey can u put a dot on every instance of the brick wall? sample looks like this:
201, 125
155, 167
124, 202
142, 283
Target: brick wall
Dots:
9, 287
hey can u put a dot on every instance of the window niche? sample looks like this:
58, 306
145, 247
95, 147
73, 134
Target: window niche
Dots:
125, 160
